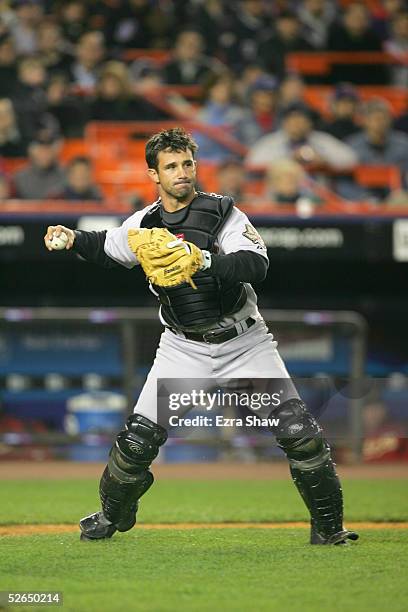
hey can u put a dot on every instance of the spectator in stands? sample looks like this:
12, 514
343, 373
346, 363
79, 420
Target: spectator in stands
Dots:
5, 192
73, 17
354, 33
79, 183
316, 17
262, 106
138, 24
210, 18
51, 48
189, 66
221, 111
28, 15
12, 142
69, 111
242, 29
291, 90
297, 139
43, 178
29, 98
8, 67
287, 39
90, 52
114, 100
246, 80
287, 183
378, 143
397, 45
344, 107
383, 15
231, 180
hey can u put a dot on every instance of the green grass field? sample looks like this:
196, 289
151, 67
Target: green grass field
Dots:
206, 569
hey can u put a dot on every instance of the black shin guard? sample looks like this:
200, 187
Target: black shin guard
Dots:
313, 471
127, 477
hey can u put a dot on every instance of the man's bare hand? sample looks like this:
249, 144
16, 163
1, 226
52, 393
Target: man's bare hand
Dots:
56, 231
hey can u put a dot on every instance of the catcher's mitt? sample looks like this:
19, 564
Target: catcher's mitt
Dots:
166, 260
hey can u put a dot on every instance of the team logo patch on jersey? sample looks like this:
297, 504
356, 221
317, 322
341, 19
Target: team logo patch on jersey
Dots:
180, 236
253, 236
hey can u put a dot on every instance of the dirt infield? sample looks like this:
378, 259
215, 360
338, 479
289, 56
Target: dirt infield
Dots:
25, 530
59, 470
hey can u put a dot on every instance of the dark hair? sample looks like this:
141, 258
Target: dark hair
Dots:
175, 139
79, 159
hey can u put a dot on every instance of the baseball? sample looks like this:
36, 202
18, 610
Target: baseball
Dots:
59, 242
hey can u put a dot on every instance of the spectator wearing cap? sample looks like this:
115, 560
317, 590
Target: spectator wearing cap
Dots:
189, 65
12, 142
377, 143
297, 139
287, 39
79, 183
8, 68
262, 104
89, 55
355, 33
28, 15
43, 177
316, 17
344, 106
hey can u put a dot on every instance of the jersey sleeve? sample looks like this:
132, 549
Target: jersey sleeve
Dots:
238, 234
116, 241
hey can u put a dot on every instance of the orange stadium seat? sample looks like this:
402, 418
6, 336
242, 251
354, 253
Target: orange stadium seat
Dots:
72, 147
13, 164
378, 176
319, 96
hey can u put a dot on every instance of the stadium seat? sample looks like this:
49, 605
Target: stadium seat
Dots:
378, 176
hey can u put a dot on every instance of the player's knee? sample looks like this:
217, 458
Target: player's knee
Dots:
138, 444
298, 434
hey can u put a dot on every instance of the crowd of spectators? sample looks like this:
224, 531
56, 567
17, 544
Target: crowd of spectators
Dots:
66, 63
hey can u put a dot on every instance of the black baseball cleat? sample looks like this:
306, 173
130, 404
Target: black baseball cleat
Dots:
341, 537
96, 527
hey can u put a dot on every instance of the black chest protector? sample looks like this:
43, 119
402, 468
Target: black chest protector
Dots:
199, 222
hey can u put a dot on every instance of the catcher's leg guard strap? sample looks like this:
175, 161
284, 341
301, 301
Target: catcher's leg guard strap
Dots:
127, 477
311, 466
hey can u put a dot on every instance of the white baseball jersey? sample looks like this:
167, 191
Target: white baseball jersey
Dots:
237, 234
252, 354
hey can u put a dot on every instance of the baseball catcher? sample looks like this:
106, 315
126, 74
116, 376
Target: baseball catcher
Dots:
201, 256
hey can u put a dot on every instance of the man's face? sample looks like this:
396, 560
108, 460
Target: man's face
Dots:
316, 7
297, 126
175, 174
43, 155
288, 28
79, 177
378, 122
356, 19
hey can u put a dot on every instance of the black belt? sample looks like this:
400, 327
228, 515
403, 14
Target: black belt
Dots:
217, 336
